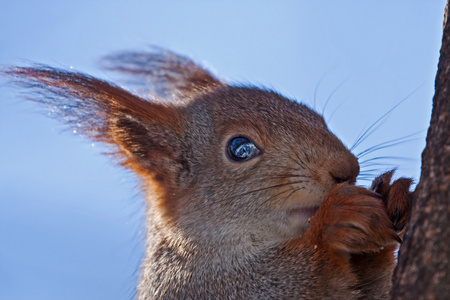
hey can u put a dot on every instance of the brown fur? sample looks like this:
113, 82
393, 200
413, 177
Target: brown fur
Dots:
221, 229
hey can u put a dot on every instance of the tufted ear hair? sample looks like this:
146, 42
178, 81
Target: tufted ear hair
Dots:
162, 74
147, 135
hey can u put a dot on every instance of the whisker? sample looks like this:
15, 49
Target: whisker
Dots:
274, 196
299, 161
365, 177
365, 134
371, 172
386, 158
336, 109
371, 164
389, 143
286, 167
288, 176
317, 87
381, 147
331, 95
291, 193
368, 171
270, 187
362, 137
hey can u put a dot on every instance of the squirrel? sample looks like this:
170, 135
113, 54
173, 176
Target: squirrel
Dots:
248, 193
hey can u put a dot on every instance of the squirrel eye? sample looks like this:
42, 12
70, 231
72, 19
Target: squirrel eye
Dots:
242, 149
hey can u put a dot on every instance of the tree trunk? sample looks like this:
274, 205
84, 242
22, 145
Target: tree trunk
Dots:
423, 270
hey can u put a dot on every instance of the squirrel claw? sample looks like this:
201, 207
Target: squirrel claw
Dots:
397, 198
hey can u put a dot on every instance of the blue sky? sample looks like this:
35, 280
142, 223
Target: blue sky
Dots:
71, 221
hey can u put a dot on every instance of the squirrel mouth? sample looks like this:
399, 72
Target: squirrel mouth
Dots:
307, 212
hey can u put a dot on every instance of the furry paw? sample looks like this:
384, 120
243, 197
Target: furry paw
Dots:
354, 220
397, 198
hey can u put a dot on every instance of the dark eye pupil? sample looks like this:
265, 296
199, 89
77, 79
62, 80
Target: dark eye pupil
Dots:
241, 149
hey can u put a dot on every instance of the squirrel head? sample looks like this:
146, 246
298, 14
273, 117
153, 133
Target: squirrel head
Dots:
220, 163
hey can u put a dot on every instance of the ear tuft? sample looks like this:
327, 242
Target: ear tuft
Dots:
161, 73
147, 134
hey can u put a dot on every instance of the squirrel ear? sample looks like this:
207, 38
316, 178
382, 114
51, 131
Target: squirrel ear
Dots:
161, 73
147, 134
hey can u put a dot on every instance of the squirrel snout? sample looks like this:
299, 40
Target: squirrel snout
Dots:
345, 169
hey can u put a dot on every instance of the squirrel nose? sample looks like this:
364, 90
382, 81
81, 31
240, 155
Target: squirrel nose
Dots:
345, 169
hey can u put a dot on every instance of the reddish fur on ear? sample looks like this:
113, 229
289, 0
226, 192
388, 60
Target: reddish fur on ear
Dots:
146, 133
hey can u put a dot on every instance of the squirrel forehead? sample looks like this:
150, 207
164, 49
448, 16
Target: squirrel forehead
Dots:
231, 104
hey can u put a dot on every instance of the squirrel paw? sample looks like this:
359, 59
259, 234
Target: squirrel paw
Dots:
354, 220
397, 198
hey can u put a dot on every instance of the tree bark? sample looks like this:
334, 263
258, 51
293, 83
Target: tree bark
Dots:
423, 270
